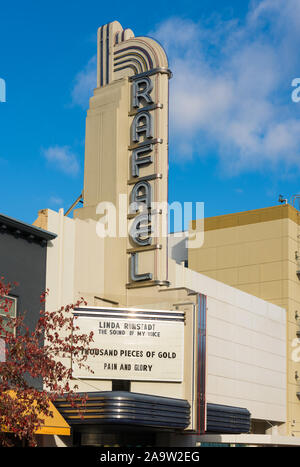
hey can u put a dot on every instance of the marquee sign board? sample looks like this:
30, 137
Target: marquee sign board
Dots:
132, 344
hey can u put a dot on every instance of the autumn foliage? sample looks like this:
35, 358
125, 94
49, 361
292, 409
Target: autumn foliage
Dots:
35, 366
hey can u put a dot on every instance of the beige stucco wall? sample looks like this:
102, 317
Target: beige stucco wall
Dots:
246, 350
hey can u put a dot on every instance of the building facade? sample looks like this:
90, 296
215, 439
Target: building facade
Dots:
23, 256
258, 252
180, 358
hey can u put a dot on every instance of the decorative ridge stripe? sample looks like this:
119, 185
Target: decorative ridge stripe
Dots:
141, 49
141, 54
118, 60
97, 406
138, 68
133, 67
144, 410
101, 56
129, 311
107, 53
131, 396
145, 318
161, 70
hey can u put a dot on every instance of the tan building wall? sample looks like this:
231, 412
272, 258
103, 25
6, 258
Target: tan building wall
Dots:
255, 252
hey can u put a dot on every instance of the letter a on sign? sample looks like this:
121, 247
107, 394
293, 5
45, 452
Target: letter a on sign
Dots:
142, 123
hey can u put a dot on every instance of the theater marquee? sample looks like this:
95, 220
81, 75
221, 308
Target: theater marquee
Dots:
133, 344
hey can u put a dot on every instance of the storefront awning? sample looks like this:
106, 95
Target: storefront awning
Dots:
121, 408
55, 425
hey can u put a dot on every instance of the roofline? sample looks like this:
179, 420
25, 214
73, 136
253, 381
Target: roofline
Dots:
17, 227
272, 213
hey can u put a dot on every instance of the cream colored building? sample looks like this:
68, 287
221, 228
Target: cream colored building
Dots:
245, 342
116, 253
257, 252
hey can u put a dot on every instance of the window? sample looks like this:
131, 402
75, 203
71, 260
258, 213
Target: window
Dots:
120, 385
8, 309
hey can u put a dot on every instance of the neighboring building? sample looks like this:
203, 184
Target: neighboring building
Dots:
179, 358
23, 256
258, 252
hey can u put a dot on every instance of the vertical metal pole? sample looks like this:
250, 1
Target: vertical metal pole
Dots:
201, 365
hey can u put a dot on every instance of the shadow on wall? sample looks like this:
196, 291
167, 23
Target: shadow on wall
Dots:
178, 249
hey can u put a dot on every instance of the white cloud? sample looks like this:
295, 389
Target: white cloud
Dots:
62, 159
54, 200
231, 90
85, 82
230, 94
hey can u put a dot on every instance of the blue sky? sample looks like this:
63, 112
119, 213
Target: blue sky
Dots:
234, 129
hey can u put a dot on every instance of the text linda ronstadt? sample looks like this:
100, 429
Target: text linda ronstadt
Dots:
119, 328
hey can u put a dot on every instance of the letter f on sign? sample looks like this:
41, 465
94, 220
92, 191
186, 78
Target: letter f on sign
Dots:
2, 90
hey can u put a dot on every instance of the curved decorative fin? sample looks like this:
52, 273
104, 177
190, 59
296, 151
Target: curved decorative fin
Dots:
121, 54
